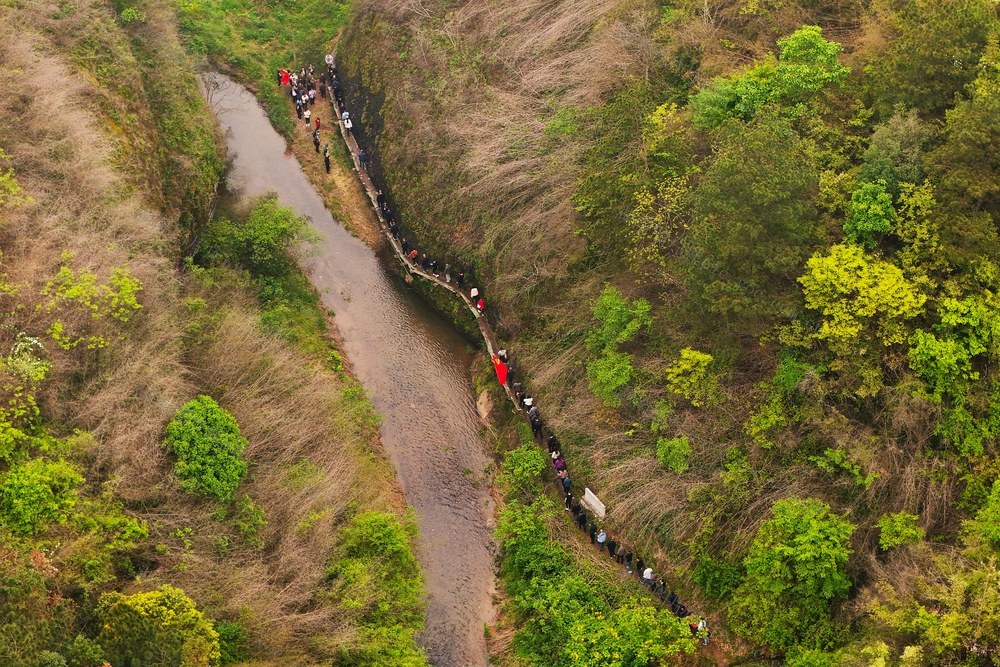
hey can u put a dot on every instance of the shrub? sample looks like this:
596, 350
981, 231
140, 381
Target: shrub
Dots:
206, 440
262, 243
608, 374
895, 530
795, 571
249, 519
673, 453
871, 214
233, 642
156, 628
987, 521
38, 492
945, 365
521, 471
690, 377
716, 577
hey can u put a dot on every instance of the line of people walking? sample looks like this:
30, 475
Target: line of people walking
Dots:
304, 90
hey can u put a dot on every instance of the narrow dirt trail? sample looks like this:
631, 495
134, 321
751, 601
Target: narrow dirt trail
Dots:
415, 368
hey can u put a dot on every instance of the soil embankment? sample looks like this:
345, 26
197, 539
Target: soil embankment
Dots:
415, 369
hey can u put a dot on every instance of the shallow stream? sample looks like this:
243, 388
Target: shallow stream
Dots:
415, 369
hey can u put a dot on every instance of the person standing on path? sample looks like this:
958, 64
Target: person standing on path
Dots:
316, 140
612, 547
307, 115
363, 159
318, 124
380, 200
326, 157
602, 538
593, 532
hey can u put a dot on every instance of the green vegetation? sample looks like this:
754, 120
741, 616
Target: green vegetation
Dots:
571, 614
899, 529
610, 370
159, 627
375, 571
673, 453
795, 568
108, 326
206, 440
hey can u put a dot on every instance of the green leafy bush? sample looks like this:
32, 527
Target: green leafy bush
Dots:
521, 470
673, 453
717, 578
206, 440
805, 65
871, 214
38, 492
375, 573
159, 628
794, 572
233, 642
896, 530
609, 370
692, 378
987, 521
249, 519
262, 243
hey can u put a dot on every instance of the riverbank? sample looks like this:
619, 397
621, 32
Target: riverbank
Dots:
415, 369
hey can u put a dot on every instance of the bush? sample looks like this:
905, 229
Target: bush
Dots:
521, 471
609, 370
608, 374
673, 453
895, 530
375, 573
206, 440
156, 628
795, 571
38, 492
987, 521
716, 577
262, 243
690, 377
233, 640
249, 519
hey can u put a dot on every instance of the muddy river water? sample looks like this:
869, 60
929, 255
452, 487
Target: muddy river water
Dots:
414, 367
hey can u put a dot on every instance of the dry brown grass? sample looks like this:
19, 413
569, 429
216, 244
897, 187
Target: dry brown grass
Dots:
68, 155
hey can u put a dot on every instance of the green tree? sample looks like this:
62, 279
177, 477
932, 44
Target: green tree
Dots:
795, 571
38, 492
934, 56
754, 223
159, 628
896, 530
673, 453
206, 440
987, 521
896, 152
861, 299
871, 214
692, 378
806, 64
262, 244
609, 370
626, 637
967, 163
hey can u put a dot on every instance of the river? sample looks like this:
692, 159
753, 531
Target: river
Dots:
415, 369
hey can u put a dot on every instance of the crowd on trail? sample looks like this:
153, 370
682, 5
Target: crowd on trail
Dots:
304, 87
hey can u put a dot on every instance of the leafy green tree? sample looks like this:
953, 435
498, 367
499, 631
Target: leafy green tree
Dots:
987, 521
795, 571
944, 364
609, 370
262, 244
626, 637
692, 378
158, 628
967, 163
36, 493
934, 56
896, 530
754, 223
206, 440
896, 152
673, 453
862, 299
871, 214
806, 64
521, 470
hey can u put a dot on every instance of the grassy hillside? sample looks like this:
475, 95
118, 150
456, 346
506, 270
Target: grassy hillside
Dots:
746, 254
247, 529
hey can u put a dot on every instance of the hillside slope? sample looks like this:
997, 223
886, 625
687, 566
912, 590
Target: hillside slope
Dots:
244, 530
745, 254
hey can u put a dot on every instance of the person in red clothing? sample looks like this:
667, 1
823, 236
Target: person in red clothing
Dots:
481, 306
317, 123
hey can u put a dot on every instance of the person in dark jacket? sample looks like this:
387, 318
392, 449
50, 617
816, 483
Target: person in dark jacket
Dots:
553, 443
380, 200
639, 566
593, 533
612, 547
581, 520
569, 501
